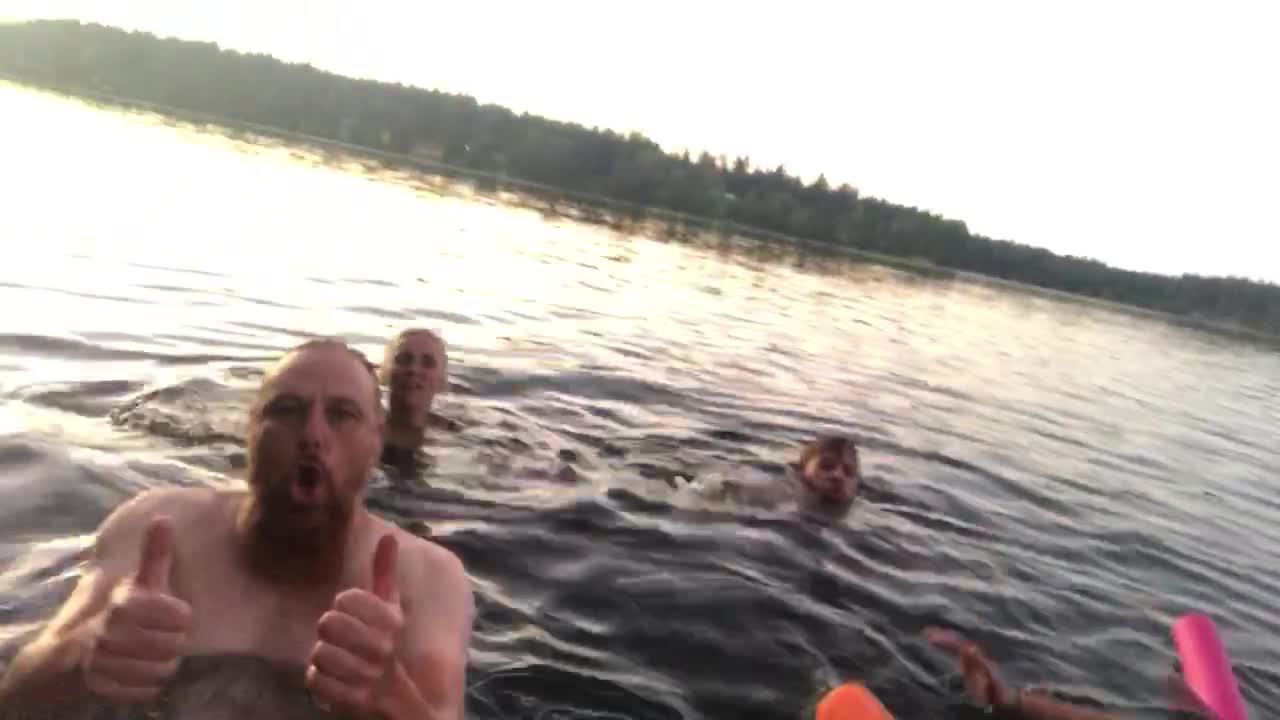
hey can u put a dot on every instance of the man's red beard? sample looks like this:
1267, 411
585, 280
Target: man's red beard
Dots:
300, 511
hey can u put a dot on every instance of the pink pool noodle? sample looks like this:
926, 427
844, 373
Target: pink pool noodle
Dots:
1206, 667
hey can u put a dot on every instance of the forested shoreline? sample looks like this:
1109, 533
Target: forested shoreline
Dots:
455, 130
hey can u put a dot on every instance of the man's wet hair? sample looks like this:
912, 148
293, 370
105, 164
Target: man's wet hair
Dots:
827, 445
410, 332
331, 342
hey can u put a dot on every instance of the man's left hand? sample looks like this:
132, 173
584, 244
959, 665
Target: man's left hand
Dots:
356, 650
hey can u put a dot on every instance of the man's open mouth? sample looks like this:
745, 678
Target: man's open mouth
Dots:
307, 481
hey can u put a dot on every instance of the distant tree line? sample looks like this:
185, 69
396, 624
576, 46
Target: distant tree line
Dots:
454, 129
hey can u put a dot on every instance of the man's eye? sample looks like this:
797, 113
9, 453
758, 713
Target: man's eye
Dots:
342, 413
282, 408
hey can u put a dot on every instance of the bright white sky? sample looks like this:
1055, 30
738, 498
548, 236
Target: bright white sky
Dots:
1143, 133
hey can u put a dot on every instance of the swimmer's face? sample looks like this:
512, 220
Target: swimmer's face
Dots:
833, 476
414, 370
314, 436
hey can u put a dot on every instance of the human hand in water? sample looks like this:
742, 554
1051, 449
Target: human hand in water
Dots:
358, 638
982, 682
135, 646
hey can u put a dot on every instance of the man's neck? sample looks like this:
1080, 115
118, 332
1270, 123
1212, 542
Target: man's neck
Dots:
406, 431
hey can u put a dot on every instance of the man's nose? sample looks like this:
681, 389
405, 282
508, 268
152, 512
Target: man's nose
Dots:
315, 431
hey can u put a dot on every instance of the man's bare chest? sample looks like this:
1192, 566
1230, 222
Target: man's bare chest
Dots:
237, 614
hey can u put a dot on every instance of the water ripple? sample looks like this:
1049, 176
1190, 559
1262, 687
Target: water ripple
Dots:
1061, 480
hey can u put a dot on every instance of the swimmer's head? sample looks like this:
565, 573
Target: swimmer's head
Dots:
315, 432
415, 369
829, 469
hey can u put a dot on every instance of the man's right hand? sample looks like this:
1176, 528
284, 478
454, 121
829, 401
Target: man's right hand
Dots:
981, 681
136, 643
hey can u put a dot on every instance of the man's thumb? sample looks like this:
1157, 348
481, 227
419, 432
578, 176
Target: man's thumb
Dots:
385, 580
157, 555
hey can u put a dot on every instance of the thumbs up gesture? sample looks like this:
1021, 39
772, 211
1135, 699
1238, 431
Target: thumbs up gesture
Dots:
136, 644
357, 637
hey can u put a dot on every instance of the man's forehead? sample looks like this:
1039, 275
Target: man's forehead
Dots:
420, 342
332, 370
837, 452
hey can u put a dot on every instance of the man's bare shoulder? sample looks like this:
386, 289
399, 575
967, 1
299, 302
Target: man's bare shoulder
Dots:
119, 536
424, 561
440, 563
437, 598
177, 503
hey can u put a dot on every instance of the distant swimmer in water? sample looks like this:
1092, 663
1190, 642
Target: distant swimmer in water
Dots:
985, 688
274, 600
829, 471
826, 478
415, 368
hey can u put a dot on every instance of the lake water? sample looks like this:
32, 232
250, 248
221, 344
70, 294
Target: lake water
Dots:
1059, 479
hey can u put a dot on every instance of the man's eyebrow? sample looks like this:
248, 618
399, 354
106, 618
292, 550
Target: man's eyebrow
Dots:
345, 400
273, 397
268, 397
